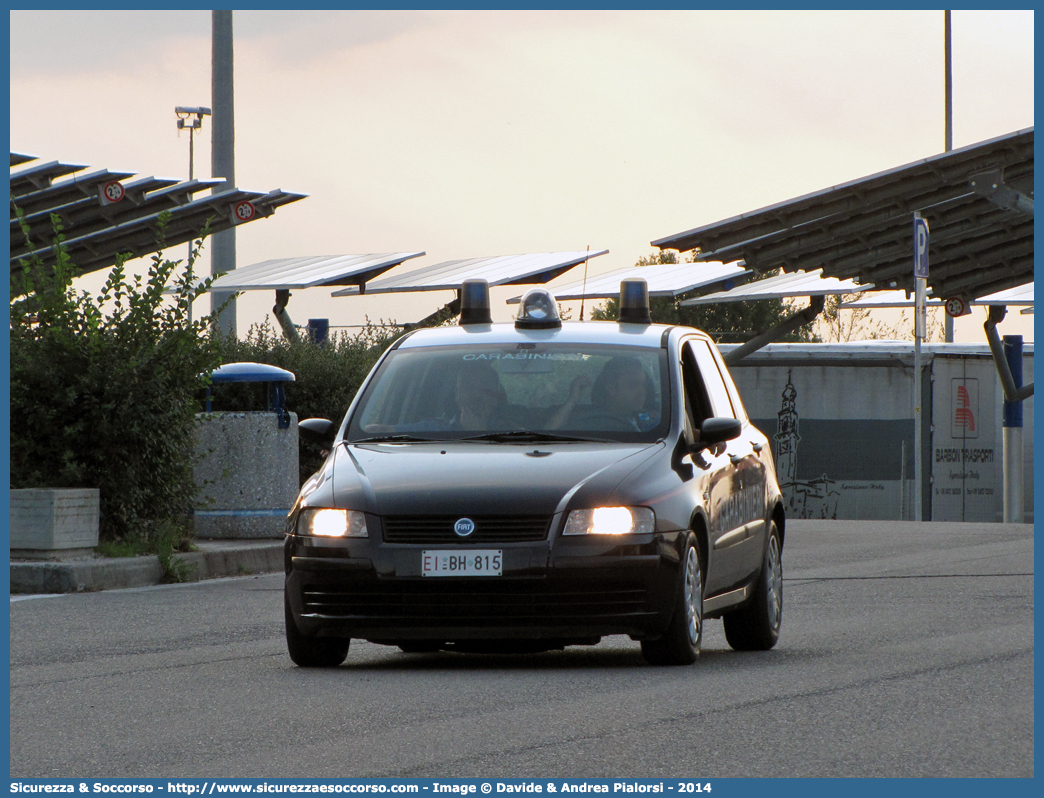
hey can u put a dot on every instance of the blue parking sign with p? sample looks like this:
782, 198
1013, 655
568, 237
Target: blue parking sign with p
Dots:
920, 227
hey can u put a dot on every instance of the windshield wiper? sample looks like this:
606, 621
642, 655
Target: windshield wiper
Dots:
527, 436
397, 438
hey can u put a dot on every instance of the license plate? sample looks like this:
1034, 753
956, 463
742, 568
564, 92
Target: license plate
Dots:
461, 563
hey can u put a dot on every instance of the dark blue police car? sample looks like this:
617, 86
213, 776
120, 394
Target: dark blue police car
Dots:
528, 486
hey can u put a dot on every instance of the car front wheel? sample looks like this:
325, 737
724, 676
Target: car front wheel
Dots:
680, 645
312, 652
756, 626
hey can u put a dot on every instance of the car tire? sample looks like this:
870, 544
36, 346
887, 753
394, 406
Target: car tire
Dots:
756, 626
680, 644
312, 652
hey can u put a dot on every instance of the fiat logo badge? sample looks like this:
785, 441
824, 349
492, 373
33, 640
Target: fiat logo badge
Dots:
464, 527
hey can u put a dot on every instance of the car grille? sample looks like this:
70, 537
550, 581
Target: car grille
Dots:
488, 529
453, 603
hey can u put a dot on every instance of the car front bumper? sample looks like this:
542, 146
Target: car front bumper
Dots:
561, 590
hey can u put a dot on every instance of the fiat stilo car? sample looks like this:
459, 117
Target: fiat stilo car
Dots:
529, 486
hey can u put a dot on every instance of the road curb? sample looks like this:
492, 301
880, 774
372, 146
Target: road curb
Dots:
214, 559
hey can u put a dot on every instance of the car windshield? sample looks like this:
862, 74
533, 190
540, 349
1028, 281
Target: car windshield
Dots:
501, 391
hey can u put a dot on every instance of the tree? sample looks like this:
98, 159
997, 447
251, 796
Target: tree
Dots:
726, 322
837, 324
103, 389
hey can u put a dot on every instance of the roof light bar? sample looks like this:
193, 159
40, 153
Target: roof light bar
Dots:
634, 302
474, 303
538, 310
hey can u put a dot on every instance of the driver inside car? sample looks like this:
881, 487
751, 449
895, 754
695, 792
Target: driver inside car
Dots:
479, 396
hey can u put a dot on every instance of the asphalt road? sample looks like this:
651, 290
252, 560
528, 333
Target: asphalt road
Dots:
906, 651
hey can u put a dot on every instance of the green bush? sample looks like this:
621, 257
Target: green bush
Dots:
104, 392
327, 375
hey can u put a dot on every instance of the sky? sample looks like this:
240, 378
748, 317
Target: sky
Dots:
474, 133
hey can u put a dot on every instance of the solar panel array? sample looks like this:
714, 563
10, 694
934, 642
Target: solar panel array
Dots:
1021, 295
499, 270
309, 272
782, 286
978, 201
663, 279
102, 216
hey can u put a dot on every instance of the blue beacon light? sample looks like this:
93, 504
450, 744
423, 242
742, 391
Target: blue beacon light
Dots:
634, 302
474, 303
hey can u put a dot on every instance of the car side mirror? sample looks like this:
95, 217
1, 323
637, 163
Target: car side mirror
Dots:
318, 430
718, 430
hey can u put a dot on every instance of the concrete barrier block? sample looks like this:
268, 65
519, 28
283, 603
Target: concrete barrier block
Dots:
45, 520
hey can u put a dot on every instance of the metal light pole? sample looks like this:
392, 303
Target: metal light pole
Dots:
190, 119
222, 159
948, 83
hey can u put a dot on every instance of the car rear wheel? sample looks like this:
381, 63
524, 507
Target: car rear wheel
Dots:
312, 652
756, 626
680, 644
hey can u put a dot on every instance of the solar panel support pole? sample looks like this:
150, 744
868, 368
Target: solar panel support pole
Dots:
223, 244
1007, 356
799, 319
445, 313
279, 311
1012, 393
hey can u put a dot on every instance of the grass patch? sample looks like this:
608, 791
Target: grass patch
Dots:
119, 548
164, 539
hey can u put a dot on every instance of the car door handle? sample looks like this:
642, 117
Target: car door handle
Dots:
756, 446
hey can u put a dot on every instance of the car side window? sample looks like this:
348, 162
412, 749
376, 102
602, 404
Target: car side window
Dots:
720, 403
730, 385
697, 403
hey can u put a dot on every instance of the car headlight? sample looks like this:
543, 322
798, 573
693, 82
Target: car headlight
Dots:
329, 523
610, 521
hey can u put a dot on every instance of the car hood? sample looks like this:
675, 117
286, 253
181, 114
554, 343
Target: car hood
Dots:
474, 478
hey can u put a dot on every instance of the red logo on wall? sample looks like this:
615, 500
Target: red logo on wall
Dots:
965, 405
964, 417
